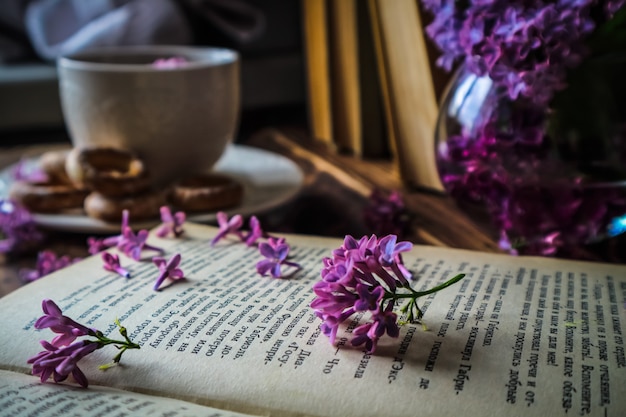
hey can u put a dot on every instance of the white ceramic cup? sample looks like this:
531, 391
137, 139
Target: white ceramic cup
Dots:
179, 119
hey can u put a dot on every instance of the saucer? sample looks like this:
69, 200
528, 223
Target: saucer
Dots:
269, 180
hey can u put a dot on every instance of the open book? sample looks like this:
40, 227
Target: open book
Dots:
519, 336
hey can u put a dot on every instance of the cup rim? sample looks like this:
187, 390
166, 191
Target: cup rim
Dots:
215, 57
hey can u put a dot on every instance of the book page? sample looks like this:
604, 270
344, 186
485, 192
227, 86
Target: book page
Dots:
21, 395
518, 336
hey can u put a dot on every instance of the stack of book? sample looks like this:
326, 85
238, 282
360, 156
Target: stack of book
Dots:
370, 88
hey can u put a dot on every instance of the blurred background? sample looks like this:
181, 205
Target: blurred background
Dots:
33, 33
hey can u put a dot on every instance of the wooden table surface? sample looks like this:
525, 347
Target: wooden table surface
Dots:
331, 202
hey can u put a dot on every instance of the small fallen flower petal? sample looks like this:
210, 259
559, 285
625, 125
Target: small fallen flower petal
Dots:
95, 245
132, 245
98, 245
112, 263
232, 226
171, 223
275, 252
255, 233
168, 269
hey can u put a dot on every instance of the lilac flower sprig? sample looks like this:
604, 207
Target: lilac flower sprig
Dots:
368, 276
61, 356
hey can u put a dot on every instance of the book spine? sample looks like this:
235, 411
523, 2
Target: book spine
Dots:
345, 91
410, 97
317, 69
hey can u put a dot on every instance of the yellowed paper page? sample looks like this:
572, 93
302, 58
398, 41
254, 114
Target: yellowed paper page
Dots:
517, 337
21, 395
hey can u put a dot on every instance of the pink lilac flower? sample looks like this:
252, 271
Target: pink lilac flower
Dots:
168, 270
133, 244
60, 362
331, 323
47, 263
368, 334
112, 263
18, 231
228, 226
367, 275
171, 223
170, 63
97, 245
275, 251
255, 233
67, 328
369, 298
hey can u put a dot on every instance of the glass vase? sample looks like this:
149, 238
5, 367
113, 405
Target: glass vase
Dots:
550, 179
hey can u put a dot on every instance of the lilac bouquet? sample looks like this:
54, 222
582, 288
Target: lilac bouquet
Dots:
533, 128
368, 276
525, 46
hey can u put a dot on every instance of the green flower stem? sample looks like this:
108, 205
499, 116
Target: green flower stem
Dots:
416, 294
119, 343
413, 295
122, 345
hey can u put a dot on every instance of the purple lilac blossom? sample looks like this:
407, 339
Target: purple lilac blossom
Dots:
228, 226
133, 244
18, 231
60, 362
112, 263
360, 276
47, 263
276, 252
524, 46
256, 232
61, 356
97, 245
172, 224
503, 164
168, 270
67, 328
